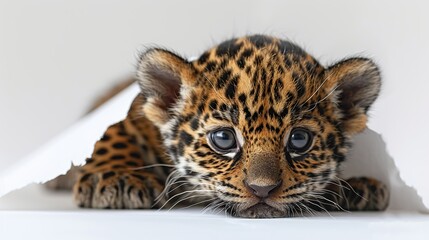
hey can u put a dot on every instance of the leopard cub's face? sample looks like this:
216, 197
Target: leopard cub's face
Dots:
257, 124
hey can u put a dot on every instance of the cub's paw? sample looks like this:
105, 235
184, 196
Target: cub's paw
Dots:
117, 190
364, 194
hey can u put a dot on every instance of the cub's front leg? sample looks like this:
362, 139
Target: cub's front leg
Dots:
356, 194
113, 177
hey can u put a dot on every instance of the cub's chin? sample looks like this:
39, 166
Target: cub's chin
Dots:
260, 210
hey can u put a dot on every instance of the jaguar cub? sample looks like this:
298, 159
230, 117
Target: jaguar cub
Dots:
255, 126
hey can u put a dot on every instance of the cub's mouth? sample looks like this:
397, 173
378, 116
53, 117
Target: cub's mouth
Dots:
260, 210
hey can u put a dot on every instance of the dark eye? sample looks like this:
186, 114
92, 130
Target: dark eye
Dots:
223, 140
299, 140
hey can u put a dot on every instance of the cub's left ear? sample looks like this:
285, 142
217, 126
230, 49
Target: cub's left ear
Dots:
163, 76
357, 83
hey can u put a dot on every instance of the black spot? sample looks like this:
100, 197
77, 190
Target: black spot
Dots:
277, 88
321, 109
234, 113
255, 116
218, 116
247, 53
206, 117
119, 145
195, 123
287, 47
232, 87
117, 157
258, 60
260, 40
186, 137
223, 79
331, 141
248, 70
132, 164
101, 151
116, 166
190, 172
173, 151
307, 116
247, 113
203, 58
372, 188
288, 63
85, 177
132, 140
230, 48
272, 113
175, 128
102, 163
141, 195
242, 98
138, 176
264, 76
201, 108
309, 67
213, 104
211, 66
223, 107
129, 190
122, 133
121, 185
89, 160
201, 154
194, 98
260, 110
259, 128
135, 155
108, 175
326, 173
105, 138
241, 62
223, 63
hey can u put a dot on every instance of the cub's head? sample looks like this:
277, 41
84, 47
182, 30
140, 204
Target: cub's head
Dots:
256, 123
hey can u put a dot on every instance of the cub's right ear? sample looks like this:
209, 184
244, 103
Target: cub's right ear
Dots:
161, 75
357, 82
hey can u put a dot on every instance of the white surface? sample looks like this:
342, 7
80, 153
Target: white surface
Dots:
67, 222
192, 225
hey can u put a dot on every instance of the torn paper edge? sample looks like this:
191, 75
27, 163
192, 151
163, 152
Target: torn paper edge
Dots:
73, 145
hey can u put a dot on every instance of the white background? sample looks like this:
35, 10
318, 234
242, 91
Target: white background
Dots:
57, 56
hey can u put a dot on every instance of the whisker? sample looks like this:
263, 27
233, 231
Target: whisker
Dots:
185, 192
351, 188
184, 199
153, 165
198, 203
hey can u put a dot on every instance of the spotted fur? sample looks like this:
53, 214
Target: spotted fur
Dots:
260, 86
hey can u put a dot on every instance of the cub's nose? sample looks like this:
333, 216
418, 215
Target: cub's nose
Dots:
263, 191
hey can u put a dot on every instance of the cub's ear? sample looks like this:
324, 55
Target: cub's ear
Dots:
162, 76
357, 83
